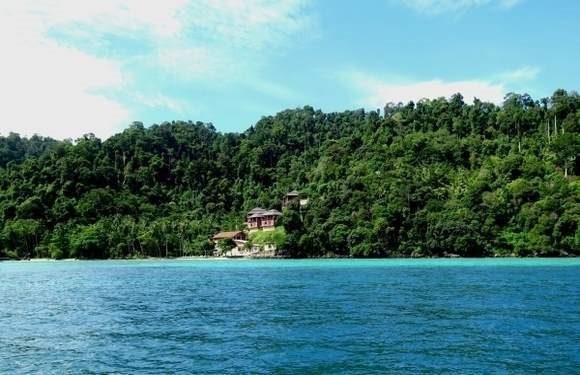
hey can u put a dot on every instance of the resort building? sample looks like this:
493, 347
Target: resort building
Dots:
290, 198
261, 219
258, 219
238, 236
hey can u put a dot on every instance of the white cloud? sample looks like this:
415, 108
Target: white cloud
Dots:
251, 24
376, 92
51, 89
525, 73
65, 89
189, 63
225, 41
159, 100
443, 6
119, 16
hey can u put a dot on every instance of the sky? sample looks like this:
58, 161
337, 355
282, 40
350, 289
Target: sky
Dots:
73, 67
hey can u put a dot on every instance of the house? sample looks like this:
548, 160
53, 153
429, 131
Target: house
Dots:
241, 248
254, 219
238, 237
261, 219
257, 219
270, 218
264, 251
290, 198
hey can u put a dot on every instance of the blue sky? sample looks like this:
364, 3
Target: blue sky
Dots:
74, 67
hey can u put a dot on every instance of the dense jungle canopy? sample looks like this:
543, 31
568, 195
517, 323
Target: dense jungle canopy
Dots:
432, 178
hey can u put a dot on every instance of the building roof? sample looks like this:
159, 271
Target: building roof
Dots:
257, 210
255, 214
226, 235
293, 193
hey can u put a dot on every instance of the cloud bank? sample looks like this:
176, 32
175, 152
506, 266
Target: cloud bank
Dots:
375, 91
65, 71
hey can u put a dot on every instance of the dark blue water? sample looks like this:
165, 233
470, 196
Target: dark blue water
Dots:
316, 316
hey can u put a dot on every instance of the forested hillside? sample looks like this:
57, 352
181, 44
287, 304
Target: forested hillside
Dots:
437, 177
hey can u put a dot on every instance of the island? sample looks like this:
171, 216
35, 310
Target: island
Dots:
433, 178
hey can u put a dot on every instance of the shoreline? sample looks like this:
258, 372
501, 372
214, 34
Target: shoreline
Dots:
214, 258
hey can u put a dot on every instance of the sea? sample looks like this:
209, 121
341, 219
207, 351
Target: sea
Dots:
320, 316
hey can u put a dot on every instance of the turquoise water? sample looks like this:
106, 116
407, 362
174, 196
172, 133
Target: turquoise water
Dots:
517, 316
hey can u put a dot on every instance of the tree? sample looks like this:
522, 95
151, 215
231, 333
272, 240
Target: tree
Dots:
431, 178
21, 236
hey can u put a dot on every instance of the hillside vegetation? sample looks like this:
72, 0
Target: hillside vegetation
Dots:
433, 178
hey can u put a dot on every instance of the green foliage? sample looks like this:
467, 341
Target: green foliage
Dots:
432, 178
276, 236
89, 241
21, 237
226, 244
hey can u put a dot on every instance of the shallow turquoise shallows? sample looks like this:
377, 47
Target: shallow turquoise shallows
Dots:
486, 316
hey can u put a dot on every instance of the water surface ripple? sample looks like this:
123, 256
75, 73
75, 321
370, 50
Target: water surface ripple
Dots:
284, 316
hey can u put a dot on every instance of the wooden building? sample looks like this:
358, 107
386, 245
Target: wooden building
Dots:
236, 236
260, 219
290, 198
